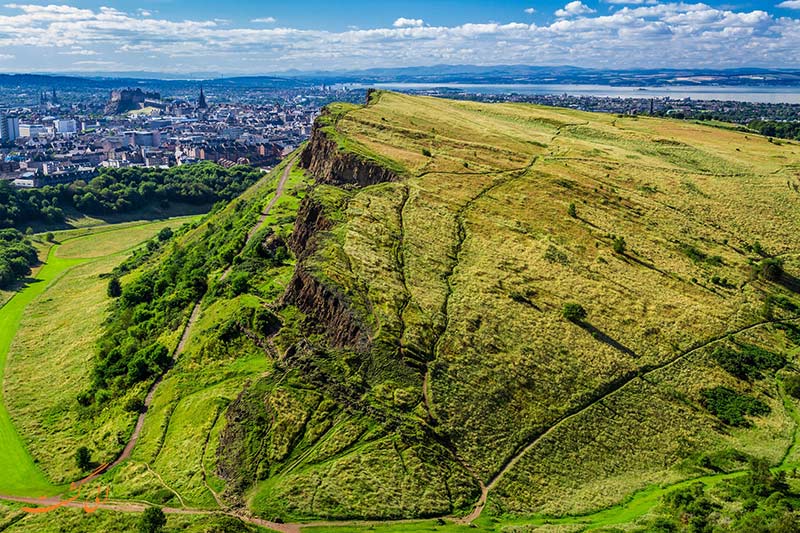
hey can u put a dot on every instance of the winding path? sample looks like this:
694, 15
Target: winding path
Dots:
511, 462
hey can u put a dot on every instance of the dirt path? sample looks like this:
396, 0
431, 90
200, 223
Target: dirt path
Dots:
44, 505
126, 452
476, 512
263, 218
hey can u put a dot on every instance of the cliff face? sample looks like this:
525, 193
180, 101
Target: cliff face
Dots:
326, 306
328, 164
124, 100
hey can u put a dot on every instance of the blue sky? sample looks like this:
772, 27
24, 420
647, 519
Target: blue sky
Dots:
260, 37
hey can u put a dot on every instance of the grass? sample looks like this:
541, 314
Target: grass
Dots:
47, 340
461, 271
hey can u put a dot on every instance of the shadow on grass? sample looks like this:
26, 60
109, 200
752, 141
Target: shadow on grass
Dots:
789, 282
604, 338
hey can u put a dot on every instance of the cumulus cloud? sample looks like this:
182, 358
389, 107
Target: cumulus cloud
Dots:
530, 10
403, 22
573, 9
631, 2
265, 20
790, 4
53, 37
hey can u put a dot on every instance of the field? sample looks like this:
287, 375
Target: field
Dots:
46, 345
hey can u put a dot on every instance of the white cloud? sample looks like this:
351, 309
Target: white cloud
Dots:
144, 12
790, 4
57, 38
631, 2
403, 22
265, 20
574, 8
530, 10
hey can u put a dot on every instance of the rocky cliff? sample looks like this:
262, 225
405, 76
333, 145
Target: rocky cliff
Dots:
328, 163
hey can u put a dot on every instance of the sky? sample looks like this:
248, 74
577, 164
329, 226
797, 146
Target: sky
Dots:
264, 37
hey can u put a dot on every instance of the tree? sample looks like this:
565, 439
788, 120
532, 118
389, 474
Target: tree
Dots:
619, 245
50, 237
574, 312
770, 269
152, 521
114, 288
83, 458
165, 234
572, 211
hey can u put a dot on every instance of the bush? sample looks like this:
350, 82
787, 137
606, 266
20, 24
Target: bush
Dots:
50, 237
572, 211
114, 288
134, 405
426, 152
792, 385
165, 234
83, 458
619, 245
574, 312
748, 362
770, 269
731, 407
152, 520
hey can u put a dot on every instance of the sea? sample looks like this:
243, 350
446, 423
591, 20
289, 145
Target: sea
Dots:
766, 95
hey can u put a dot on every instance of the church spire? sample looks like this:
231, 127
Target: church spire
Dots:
201, 102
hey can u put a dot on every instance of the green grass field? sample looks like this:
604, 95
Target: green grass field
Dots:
46, 344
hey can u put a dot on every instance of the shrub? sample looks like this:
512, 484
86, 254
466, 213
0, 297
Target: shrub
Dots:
748, 362
770, 269
619, 245
426, 152
50, 237
83, 458
134, 405
165, 234
152, 520
731, 407
574, 312
792, 385
114, 288
572, 210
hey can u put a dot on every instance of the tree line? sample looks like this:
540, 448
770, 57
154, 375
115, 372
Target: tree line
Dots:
17, 256
116, 191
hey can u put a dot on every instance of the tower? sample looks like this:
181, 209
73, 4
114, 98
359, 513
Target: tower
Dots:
54, 99
201, 102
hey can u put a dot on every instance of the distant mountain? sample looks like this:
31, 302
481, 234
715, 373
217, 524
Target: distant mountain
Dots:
473, 74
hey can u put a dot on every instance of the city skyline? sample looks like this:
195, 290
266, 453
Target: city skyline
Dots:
267, 37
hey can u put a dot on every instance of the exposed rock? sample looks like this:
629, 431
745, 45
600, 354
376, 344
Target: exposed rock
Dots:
124, 100
328, 164
327, 307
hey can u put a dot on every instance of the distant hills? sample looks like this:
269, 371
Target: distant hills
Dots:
500, 74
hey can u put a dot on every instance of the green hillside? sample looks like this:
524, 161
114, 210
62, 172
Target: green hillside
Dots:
506, 314
436, 254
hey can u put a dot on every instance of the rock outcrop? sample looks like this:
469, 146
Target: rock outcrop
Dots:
324, 159
124, 100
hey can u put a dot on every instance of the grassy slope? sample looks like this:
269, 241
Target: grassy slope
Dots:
489, 256
188, 409
54, 323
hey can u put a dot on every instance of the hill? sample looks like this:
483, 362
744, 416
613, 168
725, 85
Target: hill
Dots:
453, 309
436, 255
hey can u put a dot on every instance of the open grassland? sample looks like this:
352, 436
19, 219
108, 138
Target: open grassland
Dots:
48, 335
461, 270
